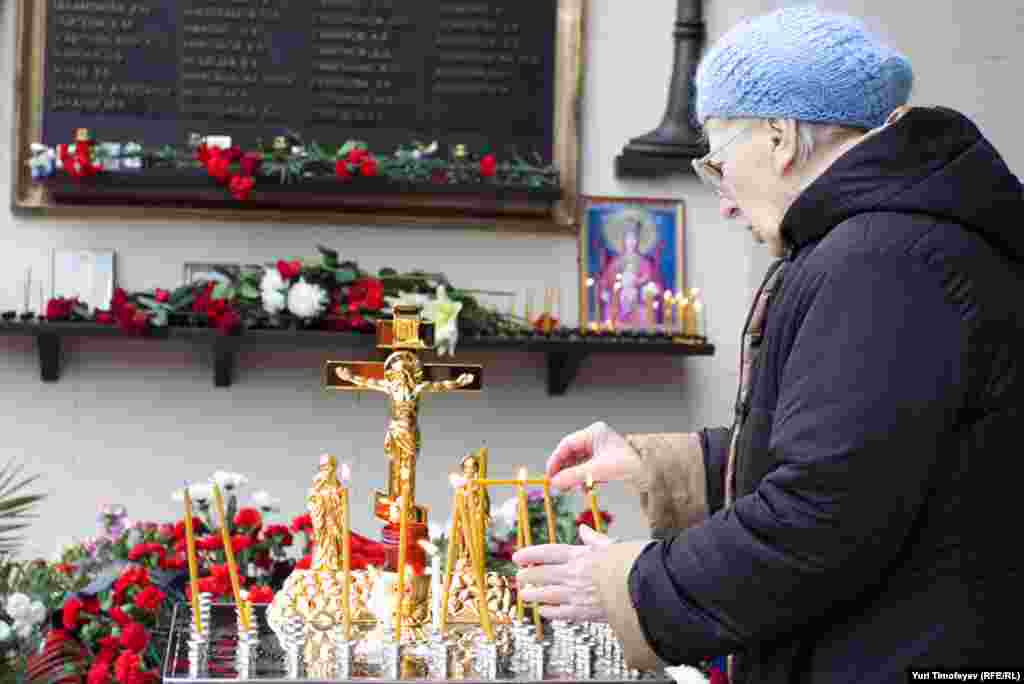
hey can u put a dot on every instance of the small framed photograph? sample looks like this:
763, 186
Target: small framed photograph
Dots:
196, 271
84, 273
631, 260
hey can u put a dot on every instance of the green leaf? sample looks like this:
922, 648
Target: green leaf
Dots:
345, 276
349, 146
249, 291
330, 257
160, 318
222, 291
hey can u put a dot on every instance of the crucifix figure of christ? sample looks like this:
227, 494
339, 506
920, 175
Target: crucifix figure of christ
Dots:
405, 379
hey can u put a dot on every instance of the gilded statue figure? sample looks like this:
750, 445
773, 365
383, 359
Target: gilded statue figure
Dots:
403, 382
325, 510
474, 466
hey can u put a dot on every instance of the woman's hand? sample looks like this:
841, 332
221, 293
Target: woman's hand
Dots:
560, 578
598, 451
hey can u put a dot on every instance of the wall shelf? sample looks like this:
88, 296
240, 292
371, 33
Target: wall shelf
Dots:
565, 350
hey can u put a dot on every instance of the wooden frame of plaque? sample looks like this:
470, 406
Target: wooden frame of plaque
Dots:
505, 209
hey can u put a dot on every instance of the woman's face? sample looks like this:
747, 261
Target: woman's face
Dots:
752, 189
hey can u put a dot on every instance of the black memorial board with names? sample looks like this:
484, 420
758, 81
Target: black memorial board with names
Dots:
386, 72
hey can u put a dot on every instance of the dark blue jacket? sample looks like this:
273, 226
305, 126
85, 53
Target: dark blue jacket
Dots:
874, 528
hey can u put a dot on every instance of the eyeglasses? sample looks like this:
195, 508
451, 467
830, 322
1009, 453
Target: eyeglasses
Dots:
711, 172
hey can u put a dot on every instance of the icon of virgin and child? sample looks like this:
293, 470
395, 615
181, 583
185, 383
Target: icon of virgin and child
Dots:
629, 256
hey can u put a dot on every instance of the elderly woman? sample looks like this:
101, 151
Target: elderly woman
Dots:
850, 526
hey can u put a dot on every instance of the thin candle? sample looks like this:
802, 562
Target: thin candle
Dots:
193, 571
528, 541
667, 310
435, 583
549, 512
453, 546
229, 553
592, 495
403, 541
521, 527
473, 528
346, 561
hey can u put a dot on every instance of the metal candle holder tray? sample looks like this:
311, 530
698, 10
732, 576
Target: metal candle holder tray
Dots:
227, 652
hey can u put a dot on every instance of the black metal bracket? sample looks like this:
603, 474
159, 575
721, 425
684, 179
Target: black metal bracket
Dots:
562, 369
50, 350
225, 360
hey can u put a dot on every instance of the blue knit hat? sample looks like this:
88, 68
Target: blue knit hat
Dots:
801, 63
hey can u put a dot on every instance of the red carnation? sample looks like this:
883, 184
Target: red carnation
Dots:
91, 605
126, 667
488, 166
119, 616
248, 518
251, 162
357, 156
341, 170
241, 187
219, 168
134, 637
233, 153
143, 551
150, 599
368, 166
161, 295
280, 533
104, 317
99, 673
366, 293
203, 153
59, 309
304, 563
587, 518
240, 542
72, 608
289, 269
229, 322
261, 594
211, 542
179, 528
302, 523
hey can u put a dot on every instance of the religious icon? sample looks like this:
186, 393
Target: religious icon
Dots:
631, 257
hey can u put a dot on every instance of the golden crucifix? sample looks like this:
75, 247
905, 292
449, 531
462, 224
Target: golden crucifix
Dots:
404, 378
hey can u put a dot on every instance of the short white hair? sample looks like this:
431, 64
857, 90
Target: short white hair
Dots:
810, 135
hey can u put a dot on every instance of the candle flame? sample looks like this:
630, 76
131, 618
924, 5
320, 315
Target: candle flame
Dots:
522, 474
590, 481
346, 473
431, 549
457, 480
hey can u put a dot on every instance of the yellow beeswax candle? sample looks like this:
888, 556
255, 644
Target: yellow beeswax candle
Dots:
229, 553
193, 571
346, 561
592, 495
403, 541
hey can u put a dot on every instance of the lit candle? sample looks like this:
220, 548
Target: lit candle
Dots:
549, 511
346, 562
667, 311
403, 541
698, 323
521, 530
229, 553
472, 525
683, 303
193, 571
592, 495
592, 313
457, 482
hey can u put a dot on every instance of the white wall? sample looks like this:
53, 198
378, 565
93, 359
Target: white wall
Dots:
130, 420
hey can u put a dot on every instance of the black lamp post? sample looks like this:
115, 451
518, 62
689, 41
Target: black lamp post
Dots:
669, 148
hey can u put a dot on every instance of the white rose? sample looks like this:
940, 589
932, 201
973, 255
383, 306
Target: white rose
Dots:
18, 606
272, 280
37, 613
229, 482
263, 501
23, 629
201, 493
274, 301
306, 300
509, 512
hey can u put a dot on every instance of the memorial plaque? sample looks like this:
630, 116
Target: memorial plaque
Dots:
495, 77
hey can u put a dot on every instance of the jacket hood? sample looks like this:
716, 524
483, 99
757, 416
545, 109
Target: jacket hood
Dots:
932, 161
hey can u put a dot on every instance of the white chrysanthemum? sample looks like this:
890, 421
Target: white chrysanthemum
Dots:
229, 482
306, 300
18, 606
266, 503
509, 511
201, 493
272, 280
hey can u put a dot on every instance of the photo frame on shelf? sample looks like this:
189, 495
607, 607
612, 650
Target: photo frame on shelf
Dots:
88, 274
631, 254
